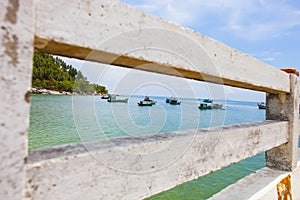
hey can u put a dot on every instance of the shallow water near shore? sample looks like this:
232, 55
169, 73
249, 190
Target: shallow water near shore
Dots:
61, 119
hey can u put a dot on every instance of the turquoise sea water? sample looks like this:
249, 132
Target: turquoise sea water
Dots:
56, 120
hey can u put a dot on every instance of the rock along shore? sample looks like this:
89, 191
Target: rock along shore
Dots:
46, 91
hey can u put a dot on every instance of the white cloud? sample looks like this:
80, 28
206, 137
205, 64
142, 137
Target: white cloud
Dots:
269, 55
249, 19
265, 21
167, 9
268, 59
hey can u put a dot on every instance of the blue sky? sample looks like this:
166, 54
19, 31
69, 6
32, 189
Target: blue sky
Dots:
268, 30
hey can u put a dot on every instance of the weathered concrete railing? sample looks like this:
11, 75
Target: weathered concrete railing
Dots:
134, 176
108, 32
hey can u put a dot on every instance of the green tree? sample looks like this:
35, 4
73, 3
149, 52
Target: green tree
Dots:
53, 73
101, 89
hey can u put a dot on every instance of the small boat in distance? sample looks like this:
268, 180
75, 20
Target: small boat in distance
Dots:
173, 101
147, 102
106, 96
207, 104
113, 98
261, 105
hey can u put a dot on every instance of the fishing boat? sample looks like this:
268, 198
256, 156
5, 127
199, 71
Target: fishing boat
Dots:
105, 96
207, 104
173, 101
147, 102
113, 98
261, 105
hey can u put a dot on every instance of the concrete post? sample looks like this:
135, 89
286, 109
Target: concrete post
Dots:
16, 50
284, 107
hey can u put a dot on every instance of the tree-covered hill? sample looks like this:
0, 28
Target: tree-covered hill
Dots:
53, 73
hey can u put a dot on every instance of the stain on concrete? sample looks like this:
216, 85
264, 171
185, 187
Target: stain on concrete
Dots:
10, 46
27, 97
253, 139
11, 11
284, 189
35, 187
25, 160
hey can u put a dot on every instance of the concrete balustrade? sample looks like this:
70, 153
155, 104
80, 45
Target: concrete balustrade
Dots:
135, 170
108, 31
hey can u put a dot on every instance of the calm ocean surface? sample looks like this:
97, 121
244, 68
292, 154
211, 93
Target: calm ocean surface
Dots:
56, 120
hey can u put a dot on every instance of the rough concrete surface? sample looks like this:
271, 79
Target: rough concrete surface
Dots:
136, 168
16, 48
285, 107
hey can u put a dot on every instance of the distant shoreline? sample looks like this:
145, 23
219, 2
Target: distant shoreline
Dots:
54, 92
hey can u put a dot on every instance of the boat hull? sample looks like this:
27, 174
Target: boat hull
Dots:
211, 107
118, 101
145, 104
175, 103
105, 97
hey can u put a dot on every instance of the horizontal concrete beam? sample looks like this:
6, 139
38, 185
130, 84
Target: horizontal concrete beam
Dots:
138, 167
111, 32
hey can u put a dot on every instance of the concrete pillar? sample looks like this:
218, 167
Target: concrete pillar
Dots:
16, 50
284, 107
